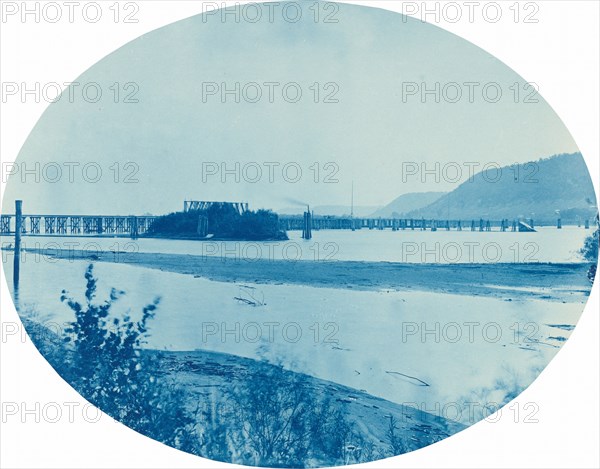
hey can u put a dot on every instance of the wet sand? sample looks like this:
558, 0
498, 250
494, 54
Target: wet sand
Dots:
554, 282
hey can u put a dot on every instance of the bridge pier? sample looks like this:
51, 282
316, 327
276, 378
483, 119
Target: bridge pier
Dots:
133, 227
17, 252
307, 227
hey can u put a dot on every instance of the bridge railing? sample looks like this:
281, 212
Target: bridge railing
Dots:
78, 224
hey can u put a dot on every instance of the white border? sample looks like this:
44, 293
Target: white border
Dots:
560, 53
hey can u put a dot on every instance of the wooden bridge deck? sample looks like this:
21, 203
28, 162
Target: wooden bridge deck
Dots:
133, 225
395, 224
76, 225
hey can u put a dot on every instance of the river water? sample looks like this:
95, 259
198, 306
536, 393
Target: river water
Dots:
446, 247
466, 348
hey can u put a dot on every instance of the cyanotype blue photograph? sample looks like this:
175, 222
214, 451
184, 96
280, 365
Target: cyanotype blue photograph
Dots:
299, 234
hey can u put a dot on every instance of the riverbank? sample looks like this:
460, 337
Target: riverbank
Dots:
205, 383
547, 281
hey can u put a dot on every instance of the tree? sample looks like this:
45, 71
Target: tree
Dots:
223, 222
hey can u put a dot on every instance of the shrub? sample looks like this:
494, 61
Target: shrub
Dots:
176, 223
393, 436
283, 421
223, 222
270, 417
107, 367
271, 408
589, 251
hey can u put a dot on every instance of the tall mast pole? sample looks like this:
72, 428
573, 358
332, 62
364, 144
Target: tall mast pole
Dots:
352, 201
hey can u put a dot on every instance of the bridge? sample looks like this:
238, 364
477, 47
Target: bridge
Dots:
78, 225
196, 205
297, 222
133, 225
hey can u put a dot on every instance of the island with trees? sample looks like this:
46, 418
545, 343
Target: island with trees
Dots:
219, 221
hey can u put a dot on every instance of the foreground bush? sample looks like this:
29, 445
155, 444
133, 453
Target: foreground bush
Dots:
277, 418
106, 366
589, 251
269, 417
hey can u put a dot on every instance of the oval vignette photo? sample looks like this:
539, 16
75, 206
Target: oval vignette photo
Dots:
298, 234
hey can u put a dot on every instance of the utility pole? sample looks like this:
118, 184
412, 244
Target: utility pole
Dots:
352, 201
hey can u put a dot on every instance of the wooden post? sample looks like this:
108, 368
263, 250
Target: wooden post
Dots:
559, 224
202, 228
303, 225
307, 226
18, 230
134, 228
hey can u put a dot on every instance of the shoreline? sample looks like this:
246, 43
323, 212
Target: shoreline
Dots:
190, 237
545, 281
207, 377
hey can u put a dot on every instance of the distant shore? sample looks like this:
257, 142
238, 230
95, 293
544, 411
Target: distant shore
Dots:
545, 281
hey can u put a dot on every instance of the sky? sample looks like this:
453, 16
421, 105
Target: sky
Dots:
179, 141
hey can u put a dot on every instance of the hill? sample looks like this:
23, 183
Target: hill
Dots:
407, 203
532, 190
